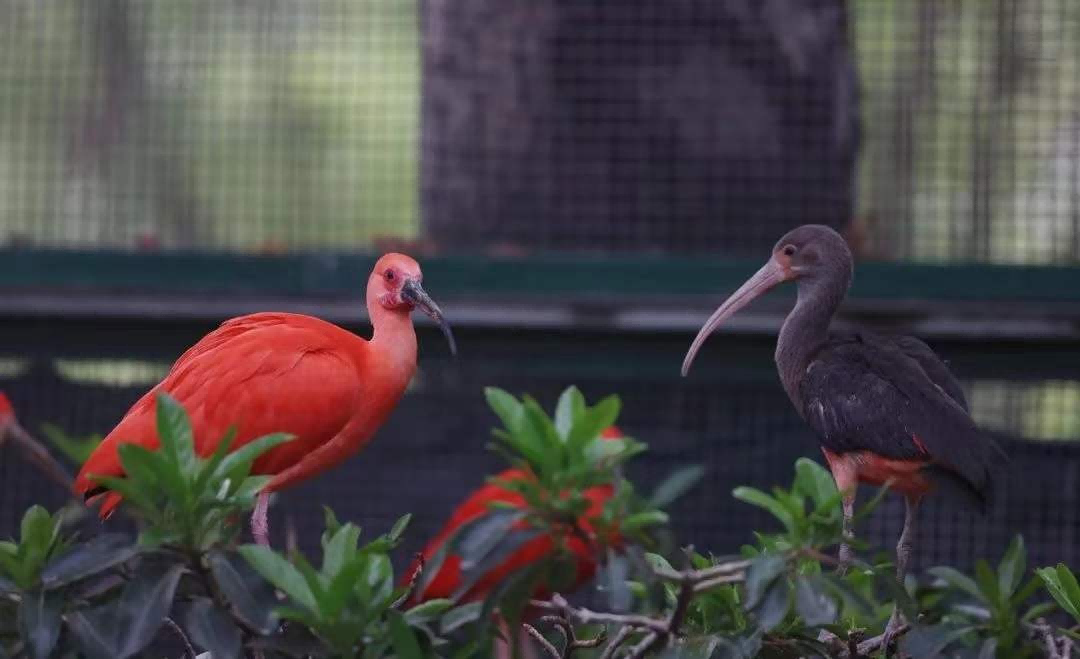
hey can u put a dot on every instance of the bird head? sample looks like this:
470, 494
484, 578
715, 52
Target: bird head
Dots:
396, 280
808, 254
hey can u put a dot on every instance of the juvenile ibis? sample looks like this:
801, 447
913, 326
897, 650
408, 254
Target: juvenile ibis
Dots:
284, 372
447, 581
886, 410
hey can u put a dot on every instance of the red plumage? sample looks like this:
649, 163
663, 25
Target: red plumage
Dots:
282, 372
447, 580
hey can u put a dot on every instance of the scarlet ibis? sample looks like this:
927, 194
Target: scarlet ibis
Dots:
284, 372
886, 410
10, 428
447, 581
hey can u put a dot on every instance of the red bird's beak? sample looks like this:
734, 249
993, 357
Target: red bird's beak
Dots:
764, 280
414, 294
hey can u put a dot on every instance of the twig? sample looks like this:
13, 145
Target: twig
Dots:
1053, 650
643, 646
570, 640
586, 617
544, 643
171, 624
620, 638
413, 579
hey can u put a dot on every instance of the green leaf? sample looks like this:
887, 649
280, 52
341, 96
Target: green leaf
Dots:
151, 470
774, 605
144, 605
814, 481
39, 622
642, 520
209, 469
405, 644
676, 485
506, 407
274, 568
812, 604
758, 498
930, 642
92, 557
212, 630
760, 575
1012, 567
174, 431
427, 611
595, 421
95, 631
957, 580
461, 616
37, 530
76, 450
399, 527
1062, 586
237, 464
485, 534
570, 408
340, 545
988, 583
252, 598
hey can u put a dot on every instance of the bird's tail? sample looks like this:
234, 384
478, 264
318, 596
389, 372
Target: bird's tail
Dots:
992, 461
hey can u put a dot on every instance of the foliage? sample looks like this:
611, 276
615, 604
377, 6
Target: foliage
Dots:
75, 449
112, 596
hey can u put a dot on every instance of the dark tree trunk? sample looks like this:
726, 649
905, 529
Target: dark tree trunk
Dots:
647, 125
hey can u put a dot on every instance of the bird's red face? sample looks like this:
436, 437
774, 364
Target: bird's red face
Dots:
803, 253
397, 280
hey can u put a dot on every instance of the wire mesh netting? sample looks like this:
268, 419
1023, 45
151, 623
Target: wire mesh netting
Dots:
925, 131
928, 131
736, 421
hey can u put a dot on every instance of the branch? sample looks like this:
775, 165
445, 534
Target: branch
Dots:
620, 638
1053, 649
544, 643
558, 604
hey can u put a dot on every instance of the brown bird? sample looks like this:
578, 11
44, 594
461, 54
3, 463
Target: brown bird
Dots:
886, 410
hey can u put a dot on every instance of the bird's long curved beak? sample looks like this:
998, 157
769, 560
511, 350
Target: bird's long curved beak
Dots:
771, 274
414, 294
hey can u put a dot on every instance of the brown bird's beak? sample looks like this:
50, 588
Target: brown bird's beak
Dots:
414, 294
771, 274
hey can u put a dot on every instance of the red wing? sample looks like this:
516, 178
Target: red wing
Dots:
263, 373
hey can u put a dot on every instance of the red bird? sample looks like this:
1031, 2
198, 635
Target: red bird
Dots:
447, 581
283, 372
10, 428
885, 409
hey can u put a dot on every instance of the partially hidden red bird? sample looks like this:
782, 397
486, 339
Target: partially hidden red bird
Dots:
447, 581
10, 428
285, 372
886, 409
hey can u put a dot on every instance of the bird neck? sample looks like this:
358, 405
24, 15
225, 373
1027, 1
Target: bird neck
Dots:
806, 329
394, 340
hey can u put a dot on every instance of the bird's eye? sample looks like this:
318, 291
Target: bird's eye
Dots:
389, 275
789, 250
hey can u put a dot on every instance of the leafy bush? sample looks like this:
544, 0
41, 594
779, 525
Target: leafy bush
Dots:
185, 576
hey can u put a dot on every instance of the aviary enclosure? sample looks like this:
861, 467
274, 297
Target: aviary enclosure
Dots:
582, 183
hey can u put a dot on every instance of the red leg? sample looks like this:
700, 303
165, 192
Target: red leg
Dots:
260, 525
846, 476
